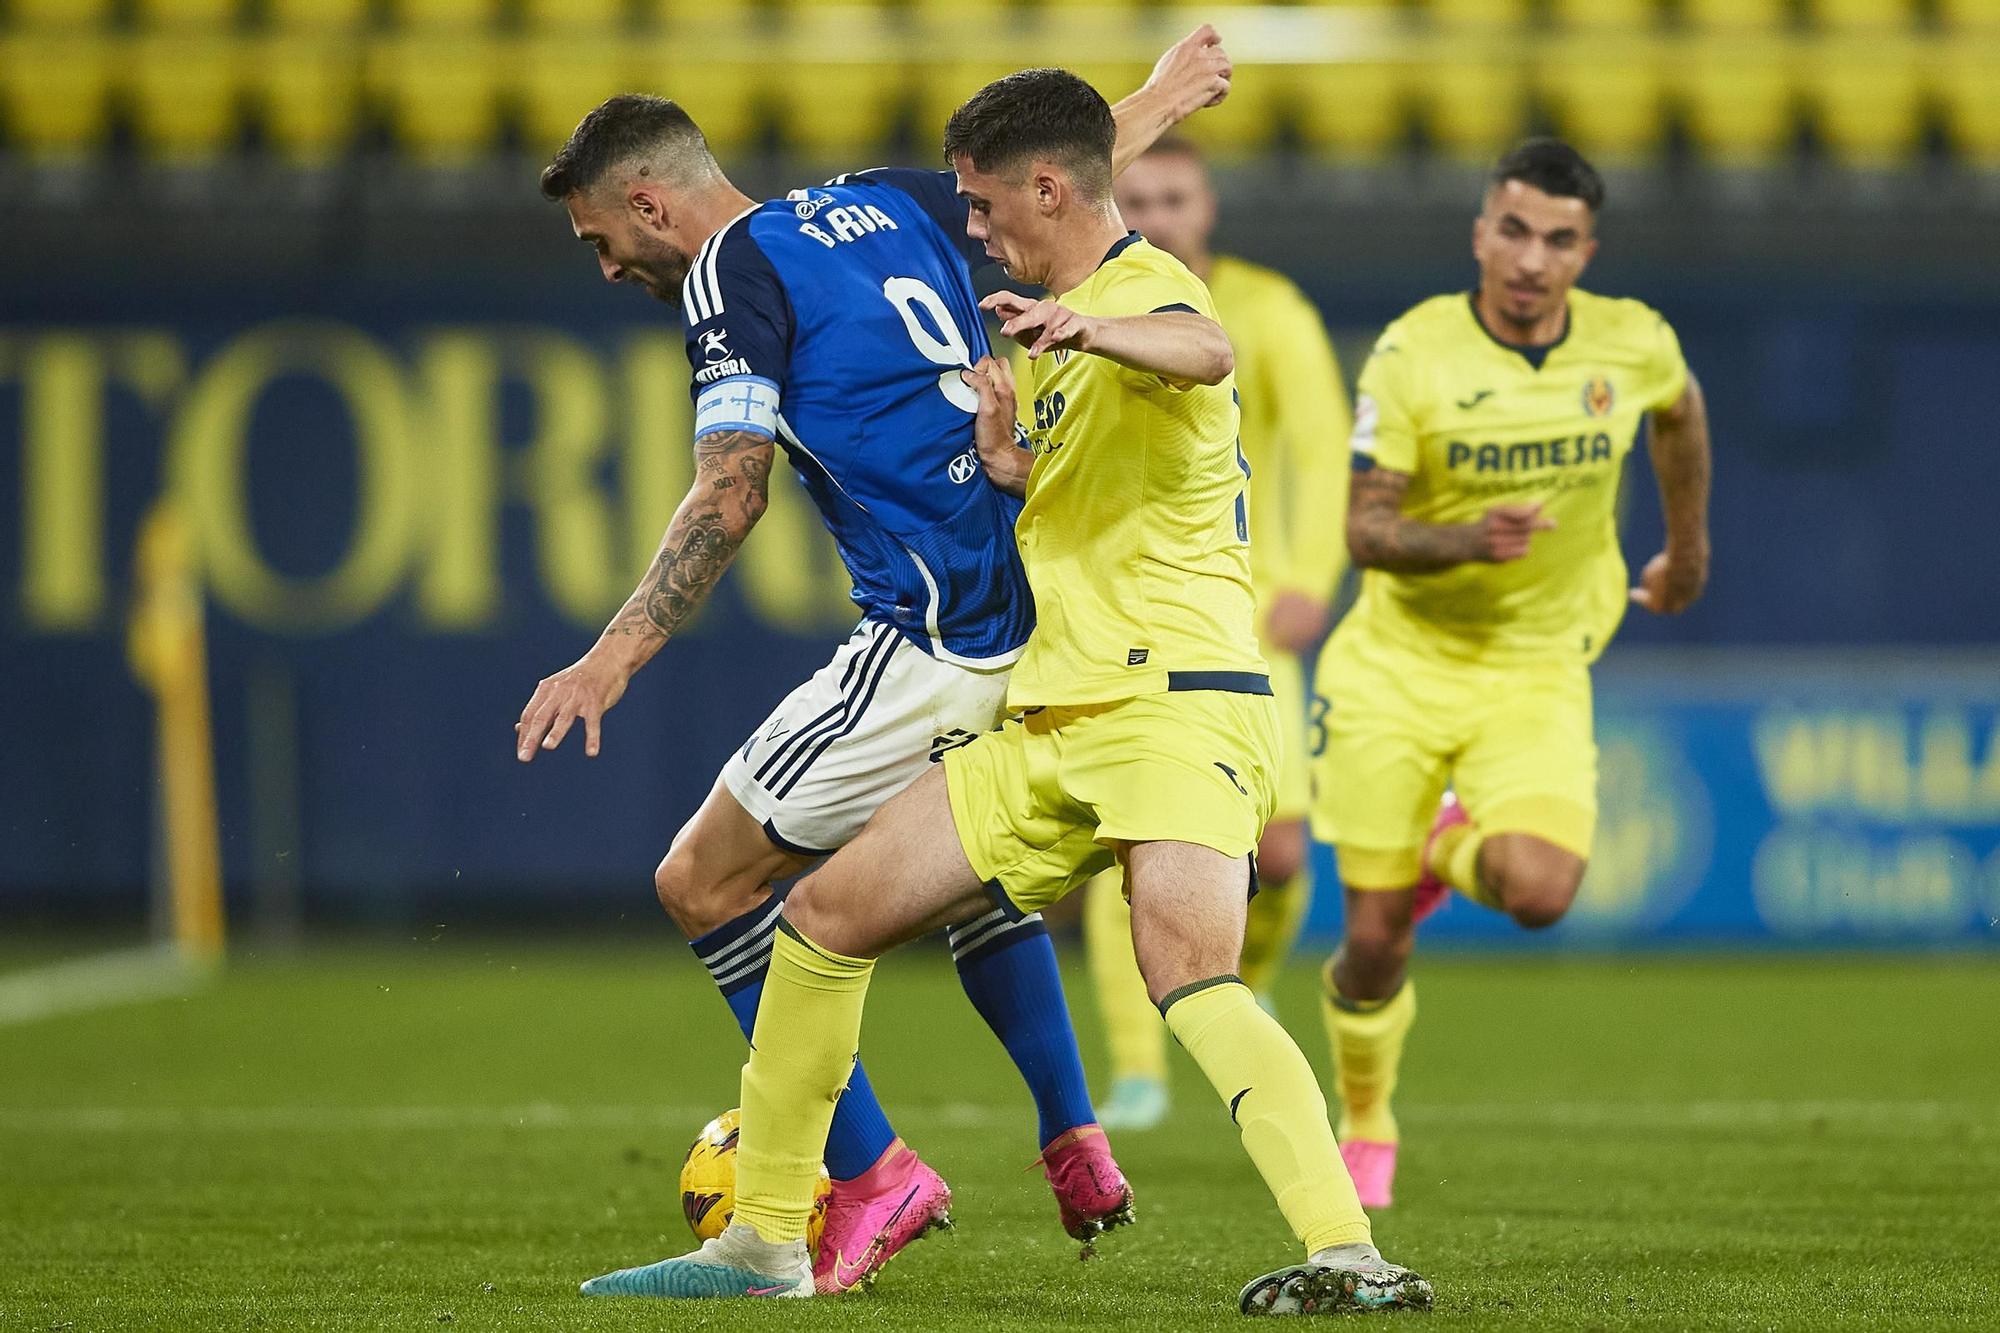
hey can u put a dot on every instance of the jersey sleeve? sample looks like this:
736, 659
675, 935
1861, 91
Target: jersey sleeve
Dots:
936, 192
739, 335
1150, 291
1667, 367
1313, 422
1386, 414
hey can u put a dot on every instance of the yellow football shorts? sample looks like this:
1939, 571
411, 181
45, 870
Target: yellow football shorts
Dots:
1394, 726
1288, 687
1047, 801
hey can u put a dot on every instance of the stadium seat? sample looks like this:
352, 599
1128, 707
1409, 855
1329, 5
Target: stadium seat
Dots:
1737, 93
1734, 15
725, 95
1355, 111
1624, 15
1473, 107
59, 13
416, 15
1497, 14
1605, 92
574, 14
308, 88
1961, 14
184, 91
316, 14
1968, 87
841, 109
1862, 15
562, 78
441, 92
185, 14
1867, 98
56, 87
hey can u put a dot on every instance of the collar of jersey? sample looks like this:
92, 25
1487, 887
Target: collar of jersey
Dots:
1119, 247
1535, 354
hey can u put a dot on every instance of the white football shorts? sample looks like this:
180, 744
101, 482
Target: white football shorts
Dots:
865, 726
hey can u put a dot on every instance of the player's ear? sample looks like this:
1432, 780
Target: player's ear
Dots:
649, 207
1051, 189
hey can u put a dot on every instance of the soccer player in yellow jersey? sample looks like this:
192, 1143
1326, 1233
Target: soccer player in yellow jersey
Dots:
1490, 431
1146, 733
1295, 426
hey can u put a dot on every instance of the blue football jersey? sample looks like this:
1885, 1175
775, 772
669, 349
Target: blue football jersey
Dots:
836, 321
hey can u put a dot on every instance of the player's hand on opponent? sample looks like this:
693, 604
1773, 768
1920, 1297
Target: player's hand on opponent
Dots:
1194, 73
1504, 533
585, 689
1040, 326
995, 429
1670, 583
1295, 622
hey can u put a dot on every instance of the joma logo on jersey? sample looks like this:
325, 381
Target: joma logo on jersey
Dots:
847, 222
1526, 456
1049, 410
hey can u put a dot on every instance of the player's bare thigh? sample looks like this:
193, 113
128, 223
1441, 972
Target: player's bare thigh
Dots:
720, 866
1188, 905
903, 876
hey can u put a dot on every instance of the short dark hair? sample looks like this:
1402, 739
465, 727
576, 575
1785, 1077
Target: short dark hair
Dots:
628, 126
1038, 113
1553, 167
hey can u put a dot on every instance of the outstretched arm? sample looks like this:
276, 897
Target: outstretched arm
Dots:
1674, 578
730, 491
1178, 345
1194, 73
1380, 537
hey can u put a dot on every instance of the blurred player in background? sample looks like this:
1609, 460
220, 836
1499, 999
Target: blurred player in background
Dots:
836, 321
1295, 425
1490, 433
1147, 733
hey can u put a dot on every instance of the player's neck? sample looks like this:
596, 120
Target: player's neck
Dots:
712, 210
1083, 250
1542, 333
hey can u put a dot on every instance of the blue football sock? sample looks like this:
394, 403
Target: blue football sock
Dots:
1008, 968
738, 955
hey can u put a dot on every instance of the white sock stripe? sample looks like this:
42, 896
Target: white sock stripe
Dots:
965, 928
765, 927
745, 967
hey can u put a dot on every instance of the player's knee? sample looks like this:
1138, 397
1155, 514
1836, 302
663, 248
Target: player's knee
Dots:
1281, 854
696, 900
1379, 940
1538, 882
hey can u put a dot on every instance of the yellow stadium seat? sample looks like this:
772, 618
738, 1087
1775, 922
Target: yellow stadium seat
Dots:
1606, 93
308, 87
724, 94
56, 86
60, 13
696, 11
421, 14
1625, 15
187, 13
1737, 91
586, 14
837, 109
1958, 14
1867, 98
184, 91
563, 78
1475, 108
1968, 85
441, 90
1734, 15
1477, 13
317, 14
1862, 15
1354, 111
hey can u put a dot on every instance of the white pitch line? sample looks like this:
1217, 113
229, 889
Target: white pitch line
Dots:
79, 985
554, 1116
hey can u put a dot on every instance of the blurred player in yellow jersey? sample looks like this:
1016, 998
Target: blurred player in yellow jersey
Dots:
1145, 735
1490, 432
1294, 430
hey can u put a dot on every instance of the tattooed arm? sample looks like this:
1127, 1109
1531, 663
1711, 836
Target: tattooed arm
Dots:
731, 488
1380, 537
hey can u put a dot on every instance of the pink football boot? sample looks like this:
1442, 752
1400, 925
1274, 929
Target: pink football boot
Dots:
870, 1218
1432, 892
1090, 1190
1373, 1168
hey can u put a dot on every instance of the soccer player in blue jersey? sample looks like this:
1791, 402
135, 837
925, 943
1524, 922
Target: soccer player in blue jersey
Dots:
835, 323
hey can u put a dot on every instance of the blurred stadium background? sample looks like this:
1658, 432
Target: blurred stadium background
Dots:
282, 263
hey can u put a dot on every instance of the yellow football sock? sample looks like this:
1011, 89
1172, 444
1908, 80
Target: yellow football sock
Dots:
1132, 1030
1367, 1038
1276, 1104
1276, 915
1454, 859
808, 1027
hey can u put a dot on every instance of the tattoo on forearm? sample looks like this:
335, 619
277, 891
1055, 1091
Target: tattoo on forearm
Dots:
1379, 537
730, 491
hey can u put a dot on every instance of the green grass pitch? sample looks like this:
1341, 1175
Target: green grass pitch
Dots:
454, 1134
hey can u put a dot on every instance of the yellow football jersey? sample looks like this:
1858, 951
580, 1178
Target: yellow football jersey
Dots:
1295, 429
1476, 423
1135, 533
